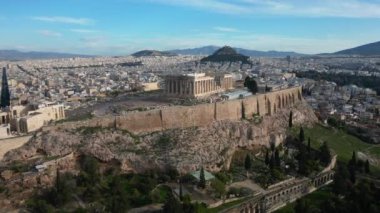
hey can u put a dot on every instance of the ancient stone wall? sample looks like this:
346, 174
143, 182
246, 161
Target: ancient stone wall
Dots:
137, 122
228, 110
200, 115
187, 116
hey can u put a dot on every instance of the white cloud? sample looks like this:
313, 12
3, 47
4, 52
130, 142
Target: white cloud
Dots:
49, 33
304, 8
83, 31
214, 5
226, 29
63, 19
93, 41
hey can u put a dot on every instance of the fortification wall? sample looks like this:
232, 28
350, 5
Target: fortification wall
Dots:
138, 122
228, 110
198, 115
250, 106
182, 117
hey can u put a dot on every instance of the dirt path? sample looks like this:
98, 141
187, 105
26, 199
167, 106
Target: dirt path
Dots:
12, 143
248, 184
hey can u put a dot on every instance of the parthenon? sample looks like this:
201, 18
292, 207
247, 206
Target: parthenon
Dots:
197, 84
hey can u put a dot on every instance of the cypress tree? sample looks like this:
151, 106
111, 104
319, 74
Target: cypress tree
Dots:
172, 205
277, 159
58, 181
271, 162
202, 179
247, 162
353, 161
302, 135
325, 155
5, 95
291, 119
308, 146
242, 111
352, 174
180, 191
352, 167
267, 158
366, 167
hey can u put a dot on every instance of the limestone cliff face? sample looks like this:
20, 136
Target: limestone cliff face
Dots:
187, 148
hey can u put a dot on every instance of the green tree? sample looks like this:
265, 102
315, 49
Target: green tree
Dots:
267, 158
291, 119
39, 206
302, 206
172, 205
340, 183
308, 146
219, 187
277, 159
5, 95
360, 166
63, 190
366, 167
118, 201
325, 155
251, 84
202, 179
352, 167
353, 160
180, 191
90, 167
272, 162
247, 163
302, 161
302, 135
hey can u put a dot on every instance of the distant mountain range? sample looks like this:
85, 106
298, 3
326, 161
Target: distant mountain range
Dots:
366, 50
208, 50
15, 55
153, 53
226, 54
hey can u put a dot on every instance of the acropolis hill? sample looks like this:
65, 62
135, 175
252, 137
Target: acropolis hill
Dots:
199, 115
205, 134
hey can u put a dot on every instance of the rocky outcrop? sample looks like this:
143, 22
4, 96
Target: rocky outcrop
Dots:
183, 148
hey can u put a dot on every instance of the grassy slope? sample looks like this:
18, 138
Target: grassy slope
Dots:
316, 199
342, 143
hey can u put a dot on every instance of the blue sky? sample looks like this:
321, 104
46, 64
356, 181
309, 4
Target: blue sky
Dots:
117, 27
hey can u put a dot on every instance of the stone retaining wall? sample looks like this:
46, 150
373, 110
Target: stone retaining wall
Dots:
198, 115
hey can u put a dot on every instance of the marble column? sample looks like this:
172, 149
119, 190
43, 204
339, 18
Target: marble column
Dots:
170, 86
196, 87
199, 87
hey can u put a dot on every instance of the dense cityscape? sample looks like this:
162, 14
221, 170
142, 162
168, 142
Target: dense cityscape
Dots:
176, 111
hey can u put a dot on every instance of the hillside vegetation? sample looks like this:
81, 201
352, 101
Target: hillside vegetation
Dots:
342, 144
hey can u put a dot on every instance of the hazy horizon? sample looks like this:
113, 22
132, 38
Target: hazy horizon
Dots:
121, 27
